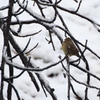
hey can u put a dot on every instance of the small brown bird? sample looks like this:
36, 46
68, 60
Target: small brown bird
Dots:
69, 48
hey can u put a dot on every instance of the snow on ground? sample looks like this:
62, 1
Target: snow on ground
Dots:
43, 55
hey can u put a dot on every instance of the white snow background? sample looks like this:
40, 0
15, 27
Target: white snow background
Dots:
44, 55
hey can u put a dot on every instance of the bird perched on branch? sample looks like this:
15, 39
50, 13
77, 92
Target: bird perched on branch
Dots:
69, 47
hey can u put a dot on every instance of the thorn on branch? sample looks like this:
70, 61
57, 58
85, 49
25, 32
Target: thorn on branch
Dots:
76, 1
32, 48
98, 94
21, 51
49, 41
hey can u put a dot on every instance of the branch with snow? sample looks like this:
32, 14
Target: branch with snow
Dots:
8, 31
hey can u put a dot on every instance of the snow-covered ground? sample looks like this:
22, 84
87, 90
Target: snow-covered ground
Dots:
44, 55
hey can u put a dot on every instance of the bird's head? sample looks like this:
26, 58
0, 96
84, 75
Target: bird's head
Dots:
67, 40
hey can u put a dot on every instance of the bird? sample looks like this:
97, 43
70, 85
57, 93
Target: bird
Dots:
69, 48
